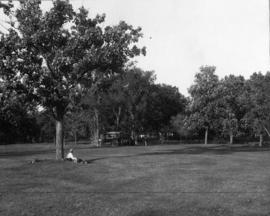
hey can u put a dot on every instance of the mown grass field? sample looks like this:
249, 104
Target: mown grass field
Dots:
135, 181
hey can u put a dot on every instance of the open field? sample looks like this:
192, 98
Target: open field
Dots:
135, 181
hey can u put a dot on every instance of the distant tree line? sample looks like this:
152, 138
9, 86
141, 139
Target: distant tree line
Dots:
221, 109
226, 108
131, 103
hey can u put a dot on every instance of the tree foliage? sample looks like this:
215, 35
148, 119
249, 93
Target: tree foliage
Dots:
258, 103
53, 56
163, 102
203, 106
230, 104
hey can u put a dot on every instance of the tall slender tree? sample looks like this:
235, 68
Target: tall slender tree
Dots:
136, 92
203, 104
258, 104
230, 105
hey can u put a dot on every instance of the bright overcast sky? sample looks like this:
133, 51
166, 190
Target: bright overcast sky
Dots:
182, 35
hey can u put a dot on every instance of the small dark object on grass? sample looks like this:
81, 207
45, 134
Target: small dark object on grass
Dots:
82, 161
35, 161
78, 161
66, 159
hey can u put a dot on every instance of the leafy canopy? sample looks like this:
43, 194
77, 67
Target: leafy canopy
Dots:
203, 107
53, 56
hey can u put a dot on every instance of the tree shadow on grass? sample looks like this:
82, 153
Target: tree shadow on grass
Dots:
187, 210
192, 150
17, 153
150, 213
195, 150
216, 149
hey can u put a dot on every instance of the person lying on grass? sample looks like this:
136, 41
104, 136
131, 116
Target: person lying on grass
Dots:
71, 157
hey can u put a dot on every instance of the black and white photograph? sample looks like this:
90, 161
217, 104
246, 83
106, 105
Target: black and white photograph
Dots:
134, 107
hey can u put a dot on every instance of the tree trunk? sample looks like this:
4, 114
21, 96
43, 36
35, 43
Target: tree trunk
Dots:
133, 132
231, 137
59, 139
267, 131
145, 142
261, 140
134, 137
206, 136
96, 129
96, 137
161, 138
117, 117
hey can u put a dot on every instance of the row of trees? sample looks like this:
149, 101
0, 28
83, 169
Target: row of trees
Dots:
131, 103
232, 106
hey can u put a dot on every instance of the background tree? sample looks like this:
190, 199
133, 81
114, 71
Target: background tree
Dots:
93, 111
163, 102
46, 124
258, 104
136, 90
231, 108
17, 119
74, 123
53, 56
115, 103
179, 126
203, 103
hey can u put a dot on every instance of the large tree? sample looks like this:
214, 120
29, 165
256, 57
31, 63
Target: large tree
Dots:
54, 56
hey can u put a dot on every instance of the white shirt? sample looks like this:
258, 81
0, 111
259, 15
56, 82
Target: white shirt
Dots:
71, 156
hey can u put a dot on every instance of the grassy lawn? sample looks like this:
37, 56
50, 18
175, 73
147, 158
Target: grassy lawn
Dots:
135, 181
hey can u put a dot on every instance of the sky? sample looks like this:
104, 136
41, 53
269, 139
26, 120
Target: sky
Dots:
182, 35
